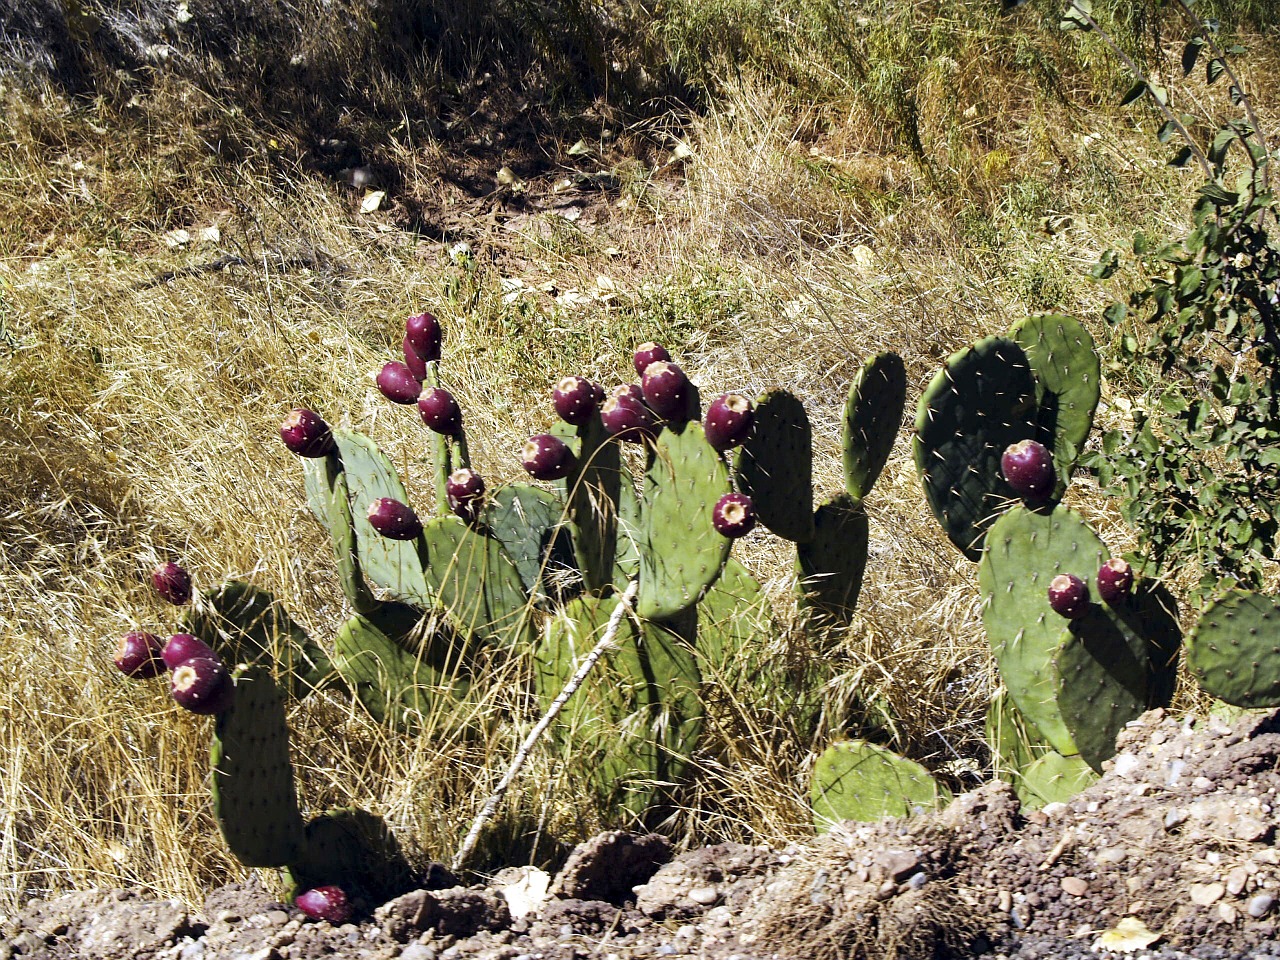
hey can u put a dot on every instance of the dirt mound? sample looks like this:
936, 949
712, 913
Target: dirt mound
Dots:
1171, 854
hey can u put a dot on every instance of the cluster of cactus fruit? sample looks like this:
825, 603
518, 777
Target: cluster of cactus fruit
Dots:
644, 487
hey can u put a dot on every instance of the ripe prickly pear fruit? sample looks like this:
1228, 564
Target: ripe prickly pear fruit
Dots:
465, 492
398, 384
393, 519
423, 334
728, 421
1115, 580
576, 399
733, 515
648, 353
1068, 596
139, 655
631, 391
440, 411
413, 360
172, 582
627, 418
305, 433
182, 647
202, 685
1028, 467
666, 390
546, 457
325, 903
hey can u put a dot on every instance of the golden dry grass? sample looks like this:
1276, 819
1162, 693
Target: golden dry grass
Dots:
138, 419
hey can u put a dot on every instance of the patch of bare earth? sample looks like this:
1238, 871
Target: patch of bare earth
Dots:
1171, 854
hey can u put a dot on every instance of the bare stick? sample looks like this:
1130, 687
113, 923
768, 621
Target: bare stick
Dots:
491, 805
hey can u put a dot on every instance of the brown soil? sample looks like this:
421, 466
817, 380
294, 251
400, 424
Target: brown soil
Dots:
1177, 838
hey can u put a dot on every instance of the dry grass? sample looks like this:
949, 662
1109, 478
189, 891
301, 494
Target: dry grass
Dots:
137, 423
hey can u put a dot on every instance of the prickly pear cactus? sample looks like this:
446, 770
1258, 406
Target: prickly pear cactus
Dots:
631, 729
530, 524
478, 585
856, 780
392, 565
355, 850
392, 684
329, 499
626, 564
1025, 551
681, 554
1068, 378
829, 567
247, 625
1013, 742
590, 494
254, 800
872, 417
980, 402
775, 466
1052, 778
1234, 650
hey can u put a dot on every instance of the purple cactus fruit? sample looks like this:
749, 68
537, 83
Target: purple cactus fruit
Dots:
648, 353
627, 418
1115, 580
398, 384
182, 647
413, 360
547, 457
172, 582
324, 903
729, 420
440, 411
393, 519
666, 390
733, 515
575, 399
138, 655
1028, 467
306, 434
465, 492
1068, 596
202, 685
422, 333
632, 391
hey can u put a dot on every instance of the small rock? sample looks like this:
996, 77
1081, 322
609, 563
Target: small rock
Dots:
899, 864
1227, 913
1175, 817
1201, 785
1074, 886
1260, 905
1236, 881
704, 895
1125, 765
1206, 894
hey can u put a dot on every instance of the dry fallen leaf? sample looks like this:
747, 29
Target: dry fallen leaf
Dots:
1126, 936
372, 201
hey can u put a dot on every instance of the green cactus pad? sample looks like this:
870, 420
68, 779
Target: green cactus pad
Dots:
774, 467
391, 683
530, 524
591, 498
681, 554
1104, 669
872, 417
1014, 743
1053, 778
479, 586
254, 800
1234, 649
734, 621
626, 565
247, 625
856, 780
982, 401
1068, 380
392, 565
328, 497
1025, 551
1163, 645
633, 724
830, 566
355, 850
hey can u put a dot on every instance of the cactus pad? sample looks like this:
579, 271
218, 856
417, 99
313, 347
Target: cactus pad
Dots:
872, 417
355, 850
329, 499
626, 564
591, 498
856, 780
254, 800
392, 565
247, 625
774, 467
1013, 742
478, 584
681, 554
983, 400
631, 727
1025, 551
530, 524
391, 683
1068, 380
1234, 649
1053, 778
830, 566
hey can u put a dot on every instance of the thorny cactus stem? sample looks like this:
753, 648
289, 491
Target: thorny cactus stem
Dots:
491, 805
